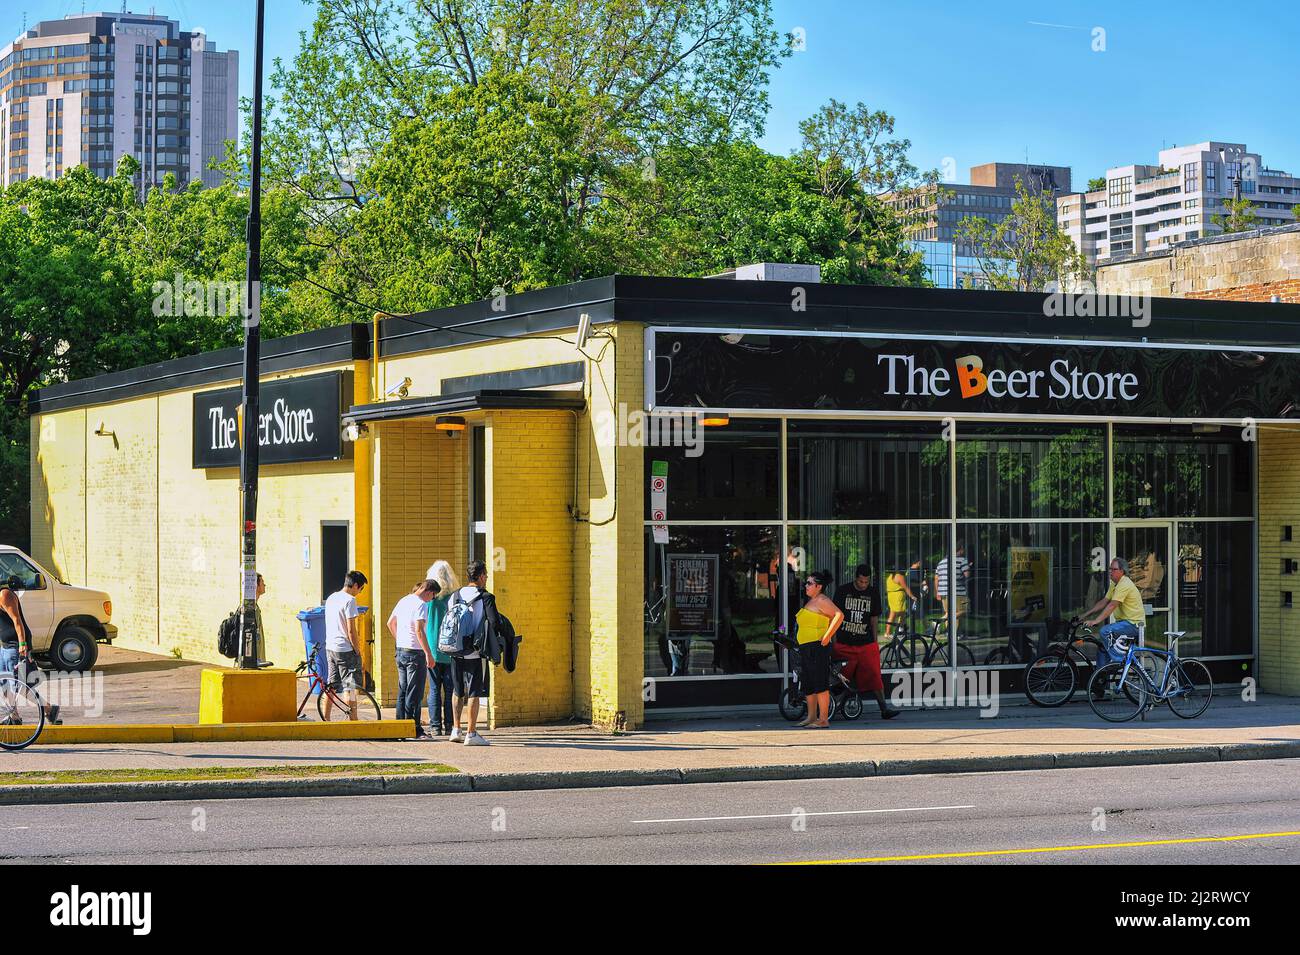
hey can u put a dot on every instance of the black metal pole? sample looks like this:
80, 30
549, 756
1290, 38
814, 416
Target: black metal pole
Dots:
248, 462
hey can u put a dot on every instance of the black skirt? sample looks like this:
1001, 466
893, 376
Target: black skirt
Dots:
814, 667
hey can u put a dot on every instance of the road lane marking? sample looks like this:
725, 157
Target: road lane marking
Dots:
1009, 852
788, 815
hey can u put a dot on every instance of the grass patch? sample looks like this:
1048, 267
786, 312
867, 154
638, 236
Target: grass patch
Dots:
221, 772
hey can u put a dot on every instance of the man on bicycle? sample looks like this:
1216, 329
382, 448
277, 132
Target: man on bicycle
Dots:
1124, 600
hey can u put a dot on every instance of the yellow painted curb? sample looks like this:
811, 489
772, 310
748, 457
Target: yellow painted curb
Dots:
224, 732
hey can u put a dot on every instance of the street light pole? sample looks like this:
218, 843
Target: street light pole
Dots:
248, 462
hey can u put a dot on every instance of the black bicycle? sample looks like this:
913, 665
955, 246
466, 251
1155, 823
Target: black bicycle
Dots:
936, 654
1052, 677
905, 649
845, 699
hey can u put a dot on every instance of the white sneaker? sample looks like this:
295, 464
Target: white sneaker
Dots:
455, 736
473, 739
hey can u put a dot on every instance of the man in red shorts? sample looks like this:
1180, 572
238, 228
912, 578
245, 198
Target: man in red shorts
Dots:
856, 639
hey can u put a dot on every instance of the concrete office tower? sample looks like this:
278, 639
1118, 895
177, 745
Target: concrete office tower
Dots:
1145, 208
88, 90
934, 213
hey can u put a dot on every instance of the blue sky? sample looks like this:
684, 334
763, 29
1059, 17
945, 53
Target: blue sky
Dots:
974, 82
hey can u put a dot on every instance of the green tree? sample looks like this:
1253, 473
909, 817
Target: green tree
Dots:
1096, 184
1241, 216
1025, 251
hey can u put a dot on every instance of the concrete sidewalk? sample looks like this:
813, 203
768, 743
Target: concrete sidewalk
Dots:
942, 740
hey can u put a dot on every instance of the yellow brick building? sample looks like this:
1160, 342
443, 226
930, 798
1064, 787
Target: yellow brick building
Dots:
550, 483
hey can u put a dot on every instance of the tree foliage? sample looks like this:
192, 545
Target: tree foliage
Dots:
1240, 217
1025, 251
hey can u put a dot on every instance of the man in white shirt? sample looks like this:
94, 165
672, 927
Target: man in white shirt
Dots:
414, 658
469, 673
343, 642
961, 569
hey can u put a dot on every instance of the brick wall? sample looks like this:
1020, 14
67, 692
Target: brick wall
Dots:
1279, 507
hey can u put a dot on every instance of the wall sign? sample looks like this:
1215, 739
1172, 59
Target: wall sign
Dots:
953, 377
299, 421
693, 595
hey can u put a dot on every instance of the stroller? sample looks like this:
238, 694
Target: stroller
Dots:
845, 699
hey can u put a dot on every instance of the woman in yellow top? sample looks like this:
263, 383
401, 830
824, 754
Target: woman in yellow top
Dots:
897, 595
817, 620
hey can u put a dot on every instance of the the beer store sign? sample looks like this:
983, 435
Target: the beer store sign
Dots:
794, 372
298, 421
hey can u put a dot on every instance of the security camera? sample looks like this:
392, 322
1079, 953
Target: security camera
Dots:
399, 390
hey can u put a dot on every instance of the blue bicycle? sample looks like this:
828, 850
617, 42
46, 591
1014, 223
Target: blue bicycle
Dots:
1119, 691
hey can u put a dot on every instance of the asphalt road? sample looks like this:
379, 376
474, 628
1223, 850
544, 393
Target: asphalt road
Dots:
989, 818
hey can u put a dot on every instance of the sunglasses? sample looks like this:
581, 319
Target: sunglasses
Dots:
811, 583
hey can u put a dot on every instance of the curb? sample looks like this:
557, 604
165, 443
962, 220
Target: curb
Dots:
224, 732
413, 785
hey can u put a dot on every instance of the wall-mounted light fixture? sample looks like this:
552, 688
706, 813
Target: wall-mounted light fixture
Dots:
399, 390
103, 432
451, 424
714, 419
353, 430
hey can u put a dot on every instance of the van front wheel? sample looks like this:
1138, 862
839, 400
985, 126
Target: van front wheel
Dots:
74, 650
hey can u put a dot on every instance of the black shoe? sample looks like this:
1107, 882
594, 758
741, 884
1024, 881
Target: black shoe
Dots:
52, 717
888, 713
264, 664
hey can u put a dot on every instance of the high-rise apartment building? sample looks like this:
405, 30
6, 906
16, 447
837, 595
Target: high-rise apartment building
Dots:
90, 89
1143, 208
933, 214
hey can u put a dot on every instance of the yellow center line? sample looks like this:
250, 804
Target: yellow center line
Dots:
1010, 852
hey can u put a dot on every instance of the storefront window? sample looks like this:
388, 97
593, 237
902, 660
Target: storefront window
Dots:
854, 470
1175, 471
1028, 471
903, 558
1215, 589
1024, 578
728, 473
713, 599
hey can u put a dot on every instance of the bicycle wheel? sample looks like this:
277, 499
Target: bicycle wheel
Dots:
965, 658
1050, 680
851, 708
1115, 696
367, 710
793, 705
22, 714
1190, 689
997, 657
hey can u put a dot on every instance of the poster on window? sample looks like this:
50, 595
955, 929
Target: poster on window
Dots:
693, 595
1030, 590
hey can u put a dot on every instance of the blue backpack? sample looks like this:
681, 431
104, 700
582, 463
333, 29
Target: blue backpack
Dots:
456, 636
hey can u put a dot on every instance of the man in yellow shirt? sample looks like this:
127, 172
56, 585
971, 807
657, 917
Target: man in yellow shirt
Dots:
1124, 600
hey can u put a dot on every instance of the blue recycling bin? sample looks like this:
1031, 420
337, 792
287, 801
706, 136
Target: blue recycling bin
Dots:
313, 635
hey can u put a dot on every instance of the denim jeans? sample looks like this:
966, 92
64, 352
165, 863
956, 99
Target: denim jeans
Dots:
411, 665
1121, 629
439, 701
8, 659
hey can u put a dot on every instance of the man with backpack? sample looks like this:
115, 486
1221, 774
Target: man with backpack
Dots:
469, 671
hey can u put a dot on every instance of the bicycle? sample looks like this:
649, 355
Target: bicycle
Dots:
845, 700
936, 653
22, 713
367, 710
903, 649
1052, 677
1119, 691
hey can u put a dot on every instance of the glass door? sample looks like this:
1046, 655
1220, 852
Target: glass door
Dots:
1147, 547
